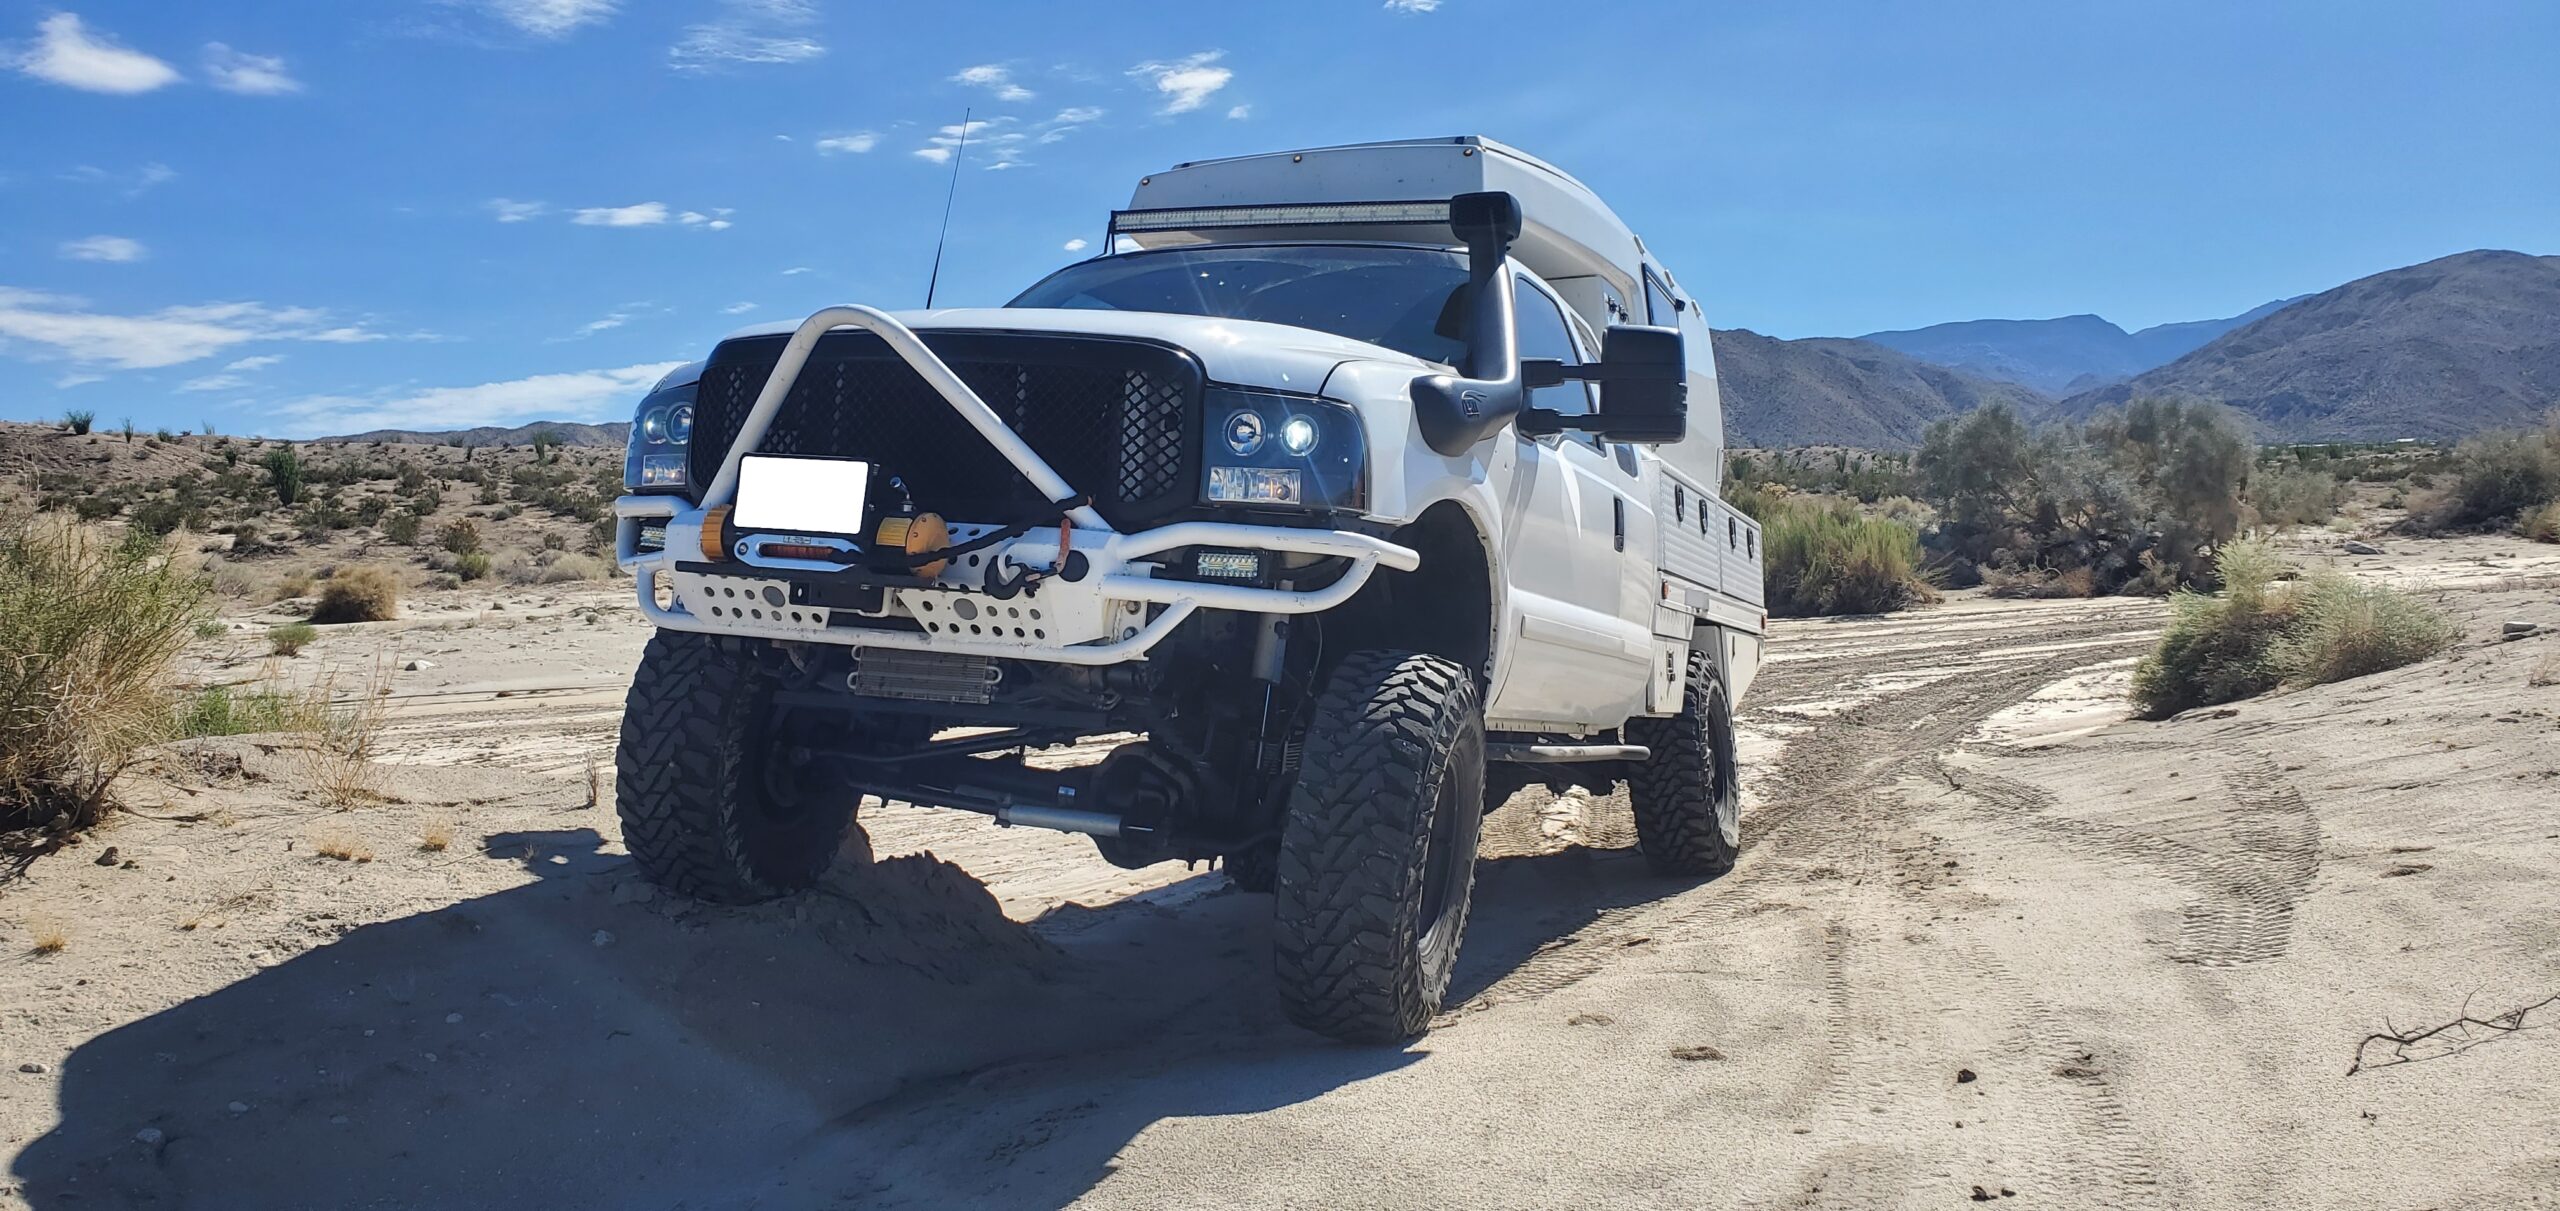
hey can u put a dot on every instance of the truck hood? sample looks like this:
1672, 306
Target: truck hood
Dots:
1246, 353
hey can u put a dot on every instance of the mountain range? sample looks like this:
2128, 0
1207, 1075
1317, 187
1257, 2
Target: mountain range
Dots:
2060, 356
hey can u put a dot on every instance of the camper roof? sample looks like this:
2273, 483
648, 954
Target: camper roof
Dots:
1393, 191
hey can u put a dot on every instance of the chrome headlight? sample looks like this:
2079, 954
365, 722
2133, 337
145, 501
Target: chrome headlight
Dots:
1283, 451
656, 460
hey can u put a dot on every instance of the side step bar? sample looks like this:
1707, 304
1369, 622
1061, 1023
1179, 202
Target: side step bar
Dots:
1563, 754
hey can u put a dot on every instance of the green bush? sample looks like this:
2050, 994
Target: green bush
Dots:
2541, 525
88, 632
79, 421
284, 470
460, 537
2260, 633
219, 710
291, 638
2291, 496
2497, 478
471, 565
402, 528
1824, 558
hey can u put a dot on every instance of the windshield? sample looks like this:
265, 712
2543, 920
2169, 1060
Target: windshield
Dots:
1403, 298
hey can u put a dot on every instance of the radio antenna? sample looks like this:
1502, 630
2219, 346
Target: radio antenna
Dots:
935, 279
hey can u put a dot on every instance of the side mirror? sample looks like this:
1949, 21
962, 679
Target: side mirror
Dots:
1644, 388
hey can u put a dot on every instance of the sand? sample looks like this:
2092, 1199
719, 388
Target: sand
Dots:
1990, 940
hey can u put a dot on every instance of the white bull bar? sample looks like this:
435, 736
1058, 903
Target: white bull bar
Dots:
1118, 561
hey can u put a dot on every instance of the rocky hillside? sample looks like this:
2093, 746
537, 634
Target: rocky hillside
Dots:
1832, 391
567, 433
2071, 353
2441, 350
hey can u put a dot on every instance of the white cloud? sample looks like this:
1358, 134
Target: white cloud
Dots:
583, 395
260, 362
1240, 112
62, 327
67, 54
643, 214
1413, 6
988, 139
939, 155
214, 382
1075, 245
68, 381
509, 211
1075, 114
238, 72
551, 18
1186, 83
796, 271
737, 309
749, 31
856, 143
133, 184
994, 78
592, 327
113, 249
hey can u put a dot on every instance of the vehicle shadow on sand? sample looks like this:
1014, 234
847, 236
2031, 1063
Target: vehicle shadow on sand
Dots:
890, 1040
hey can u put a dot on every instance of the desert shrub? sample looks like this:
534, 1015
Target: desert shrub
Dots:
2495, 479
88, 632
401, 527
222, 710
2291, 496
460, 537
2542, 524
2345, 628
2156, 486
79, 421
552, 567
471, 565
291, 638
284, 474
362, 593
1824, 558
2261, 632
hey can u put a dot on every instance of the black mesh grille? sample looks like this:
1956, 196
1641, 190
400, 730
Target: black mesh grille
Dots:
1113, 417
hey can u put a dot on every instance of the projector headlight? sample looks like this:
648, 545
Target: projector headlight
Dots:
656, 460
1286, 451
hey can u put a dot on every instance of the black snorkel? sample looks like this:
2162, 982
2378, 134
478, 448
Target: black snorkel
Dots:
1457, 412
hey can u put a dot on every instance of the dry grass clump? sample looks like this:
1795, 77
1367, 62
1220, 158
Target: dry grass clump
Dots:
362, 593
1826, 558
291, 638
436, 837
227, 710
2546, 671
2260, 633
341, 845
2542, 524
340, 744
89, 629
46, 936
2017, 582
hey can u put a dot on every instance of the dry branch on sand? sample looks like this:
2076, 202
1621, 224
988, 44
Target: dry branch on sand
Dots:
2459, 1035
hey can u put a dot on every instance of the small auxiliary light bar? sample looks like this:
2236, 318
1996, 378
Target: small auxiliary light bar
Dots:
1295, 214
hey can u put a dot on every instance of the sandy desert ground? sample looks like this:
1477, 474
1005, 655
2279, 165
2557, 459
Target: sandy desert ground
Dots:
1990, 941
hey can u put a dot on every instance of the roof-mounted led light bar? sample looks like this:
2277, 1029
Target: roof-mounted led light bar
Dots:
1296, 214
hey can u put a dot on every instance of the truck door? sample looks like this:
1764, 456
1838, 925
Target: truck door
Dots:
1575, 519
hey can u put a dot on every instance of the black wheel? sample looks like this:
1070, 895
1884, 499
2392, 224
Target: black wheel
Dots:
708, 808
1688, 796
1378, 853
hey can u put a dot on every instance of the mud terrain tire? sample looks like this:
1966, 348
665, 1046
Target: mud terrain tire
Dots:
1377, 855
1687, 797
699, 812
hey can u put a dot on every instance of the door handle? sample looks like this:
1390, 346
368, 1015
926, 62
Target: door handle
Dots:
1618, 506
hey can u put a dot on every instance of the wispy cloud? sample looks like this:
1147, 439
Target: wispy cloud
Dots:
796, 271
992, 143
113, 249
582, 395
856, 143
260, 362
76, 379
214, 382
749, 31
511, 211
610, 321
551, 18
1074, 245
1239, 112
642, 214
132, 184
995, 78
255, 75
1413, 6
737, 309
1186, 83
58, 326
66, 53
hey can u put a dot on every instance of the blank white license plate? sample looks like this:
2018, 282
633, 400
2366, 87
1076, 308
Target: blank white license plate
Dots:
801, 495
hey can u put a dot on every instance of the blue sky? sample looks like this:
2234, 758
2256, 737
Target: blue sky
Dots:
296, 218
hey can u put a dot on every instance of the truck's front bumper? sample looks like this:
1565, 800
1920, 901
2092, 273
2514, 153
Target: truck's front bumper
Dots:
1013, 600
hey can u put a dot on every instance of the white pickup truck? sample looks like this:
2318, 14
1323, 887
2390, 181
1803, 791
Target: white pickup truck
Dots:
1370, 484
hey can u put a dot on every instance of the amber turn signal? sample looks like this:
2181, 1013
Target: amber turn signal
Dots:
917, 535
715, 534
